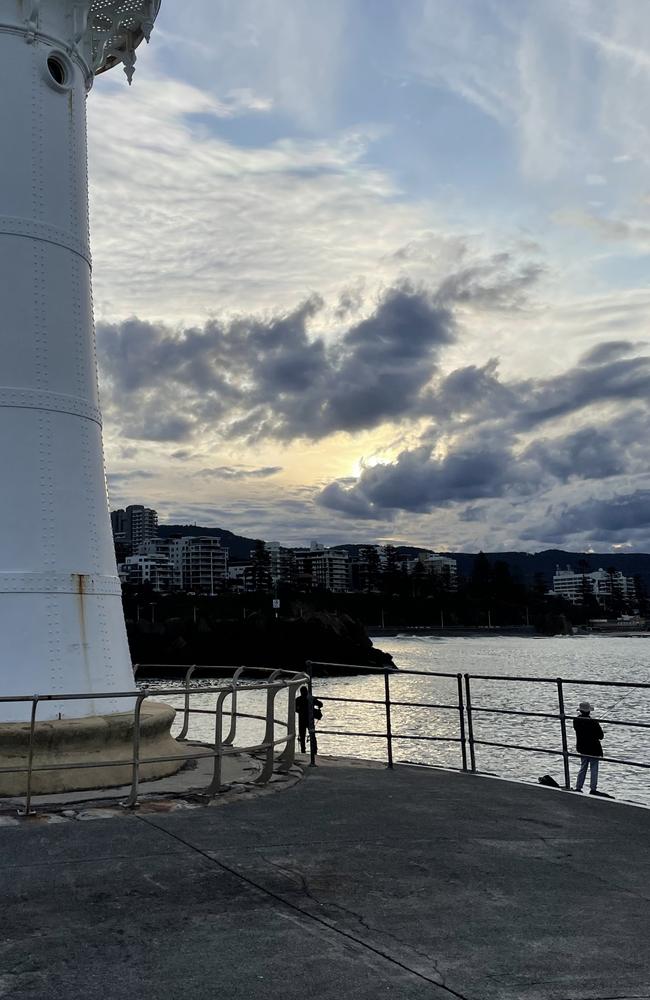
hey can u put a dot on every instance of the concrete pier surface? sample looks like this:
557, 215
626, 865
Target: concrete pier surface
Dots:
355, 882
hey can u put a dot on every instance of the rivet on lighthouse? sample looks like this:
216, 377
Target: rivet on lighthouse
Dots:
61, 621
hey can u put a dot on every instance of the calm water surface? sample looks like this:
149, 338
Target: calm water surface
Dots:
572, 658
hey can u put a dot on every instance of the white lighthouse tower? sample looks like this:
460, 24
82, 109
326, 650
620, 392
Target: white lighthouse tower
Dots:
61, 620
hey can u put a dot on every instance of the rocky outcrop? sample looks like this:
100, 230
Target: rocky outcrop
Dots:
260, 641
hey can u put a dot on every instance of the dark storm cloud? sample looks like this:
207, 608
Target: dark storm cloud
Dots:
475, 392
608, 351
591, 453
620, 517
351, 502
267, 378
618, 380
490, 463
493, 284
418, 481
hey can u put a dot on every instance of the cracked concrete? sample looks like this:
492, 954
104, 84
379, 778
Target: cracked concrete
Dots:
356, 882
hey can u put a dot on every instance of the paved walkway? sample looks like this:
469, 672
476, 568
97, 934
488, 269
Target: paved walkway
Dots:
356, 882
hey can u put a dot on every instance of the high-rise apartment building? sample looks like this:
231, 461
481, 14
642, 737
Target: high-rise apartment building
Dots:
318, 568
200, 563
134, 525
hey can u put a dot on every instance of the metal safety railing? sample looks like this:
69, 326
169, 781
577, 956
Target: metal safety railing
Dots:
466, 711
273, 683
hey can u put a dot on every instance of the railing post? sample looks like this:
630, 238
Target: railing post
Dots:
310, 717
216, 785
28, 811
288, 755
269, 731
230, 738
565, 746
461, 719
389, 728
132, 800
470, 724
186, 709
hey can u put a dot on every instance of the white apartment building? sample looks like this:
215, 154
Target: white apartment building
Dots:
198, 563
154, 569
281, 563
443, 567
134, 525
602, 584
319, 568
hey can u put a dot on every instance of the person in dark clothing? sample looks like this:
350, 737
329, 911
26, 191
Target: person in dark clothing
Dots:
588, 737
308, 709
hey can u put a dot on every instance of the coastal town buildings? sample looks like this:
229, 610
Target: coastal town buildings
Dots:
282, 565
155, 570
133, 525
443, 568
320, 568
193, 563
201, 564
604, 585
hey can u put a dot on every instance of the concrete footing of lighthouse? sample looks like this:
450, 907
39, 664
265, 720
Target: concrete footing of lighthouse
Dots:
103, 741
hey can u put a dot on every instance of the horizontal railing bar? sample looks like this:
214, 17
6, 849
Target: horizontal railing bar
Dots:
517, 711
213, 711
422, 704
518, 746
434, 739
340, 732
358, 701
553, 680
555, 715
380, 671
381, 701
559, 753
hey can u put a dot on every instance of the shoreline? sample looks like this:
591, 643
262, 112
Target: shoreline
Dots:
524, 632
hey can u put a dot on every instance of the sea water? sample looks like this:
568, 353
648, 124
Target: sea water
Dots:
569, 657
572, 658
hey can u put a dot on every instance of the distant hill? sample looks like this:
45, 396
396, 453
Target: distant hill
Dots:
523, 565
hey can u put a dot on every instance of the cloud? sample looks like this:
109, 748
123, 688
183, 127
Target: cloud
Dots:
565, 82
272, 377
622, 516
185, 218
417, 481
609, 351
480, 444
256, 378
237, 472
609, 229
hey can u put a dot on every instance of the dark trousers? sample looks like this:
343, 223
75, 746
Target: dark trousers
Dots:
302, 737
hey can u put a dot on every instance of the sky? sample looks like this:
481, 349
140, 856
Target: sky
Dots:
378, 271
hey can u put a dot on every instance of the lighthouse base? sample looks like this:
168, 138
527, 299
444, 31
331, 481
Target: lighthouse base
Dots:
101, 740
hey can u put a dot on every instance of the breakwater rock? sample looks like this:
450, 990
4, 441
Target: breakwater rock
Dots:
258, 641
